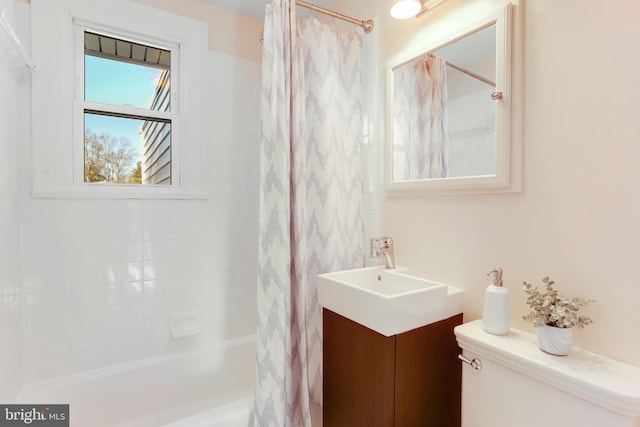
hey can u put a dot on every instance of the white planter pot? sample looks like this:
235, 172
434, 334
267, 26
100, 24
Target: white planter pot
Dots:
554, 340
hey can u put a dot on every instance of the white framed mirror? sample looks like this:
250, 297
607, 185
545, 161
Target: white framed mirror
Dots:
450, 109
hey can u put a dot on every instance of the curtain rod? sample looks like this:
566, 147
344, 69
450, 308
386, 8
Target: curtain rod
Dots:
366, 25
470, 73
4, 23
467, 72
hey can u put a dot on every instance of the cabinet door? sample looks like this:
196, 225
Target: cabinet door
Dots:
359, 374
429, 376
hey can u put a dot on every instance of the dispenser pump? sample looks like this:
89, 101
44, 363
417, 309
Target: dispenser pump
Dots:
496, 317
497, 276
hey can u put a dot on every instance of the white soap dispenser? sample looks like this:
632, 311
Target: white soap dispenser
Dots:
496, 318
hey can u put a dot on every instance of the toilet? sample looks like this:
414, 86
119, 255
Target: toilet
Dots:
507, 381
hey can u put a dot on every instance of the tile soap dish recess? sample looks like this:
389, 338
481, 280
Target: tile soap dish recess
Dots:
185, 324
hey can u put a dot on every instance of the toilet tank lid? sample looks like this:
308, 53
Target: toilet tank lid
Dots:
599, 379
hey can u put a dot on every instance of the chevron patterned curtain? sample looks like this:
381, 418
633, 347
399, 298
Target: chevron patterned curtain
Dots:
311, 202
420, 140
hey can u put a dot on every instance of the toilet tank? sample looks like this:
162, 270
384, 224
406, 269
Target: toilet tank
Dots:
518, 385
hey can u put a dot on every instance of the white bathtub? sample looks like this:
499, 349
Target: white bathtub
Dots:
211, 387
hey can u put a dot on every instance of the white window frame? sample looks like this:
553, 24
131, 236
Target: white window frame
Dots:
58, 109
81, 104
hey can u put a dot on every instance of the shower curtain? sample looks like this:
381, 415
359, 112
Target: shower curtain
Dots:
311, 213
420, 140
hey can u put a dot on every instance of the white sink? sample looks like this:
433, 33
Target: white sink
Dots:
389, 301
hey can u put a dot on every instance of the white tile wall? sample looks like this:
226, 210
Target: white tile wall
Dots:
12, 80
101, 278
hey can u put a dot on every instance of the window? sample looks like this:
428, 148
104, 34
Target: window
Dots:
111, 98
126, 109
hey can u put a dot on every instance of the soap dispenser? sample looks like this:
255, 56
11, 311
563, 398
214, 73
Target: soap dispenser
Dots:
496, 318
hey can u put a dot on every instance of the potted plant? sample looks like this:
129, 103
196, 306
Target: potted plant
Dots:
554, 316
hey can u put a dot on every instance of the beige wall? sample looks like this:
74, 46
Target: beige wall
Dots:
578, 217
228, 33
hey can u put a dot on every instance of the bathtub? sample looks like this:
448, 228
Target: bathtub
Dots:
210, 387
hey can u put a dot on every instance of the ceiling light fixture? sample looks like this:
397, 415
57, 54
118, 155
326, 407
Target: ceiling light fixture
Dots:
405, 9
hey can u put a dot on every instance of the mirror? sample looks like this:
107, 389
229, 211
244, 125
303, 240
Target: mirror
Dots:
449, 114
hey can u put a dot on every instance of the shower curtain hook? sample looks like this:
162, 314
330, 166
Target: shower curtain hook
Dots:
334, 20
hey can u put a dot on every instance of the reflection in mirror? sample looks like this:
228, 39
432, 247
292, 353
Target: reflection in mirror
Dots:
444, 117
469, 135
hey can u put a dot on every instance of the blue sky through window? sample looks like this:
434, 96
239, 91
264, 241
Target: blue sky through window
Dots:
118, 83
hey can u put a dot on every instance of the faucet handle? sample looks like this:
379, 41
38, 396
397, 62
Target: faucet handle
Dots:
383, 246
387, 242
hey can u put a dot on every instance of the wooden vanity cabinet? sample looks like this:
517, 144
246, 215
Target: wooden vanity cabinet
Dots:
408, 380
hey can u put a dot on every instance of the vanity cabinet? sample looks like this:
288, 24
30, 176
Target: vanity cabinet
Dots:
411, 379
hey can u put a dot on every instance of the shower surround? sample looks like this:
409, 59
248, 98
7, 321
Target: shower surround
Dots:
13, 81
90, 284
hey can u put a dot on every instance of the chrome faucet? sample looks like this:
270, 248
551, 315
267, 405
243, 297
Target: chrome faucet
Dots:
383, 247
